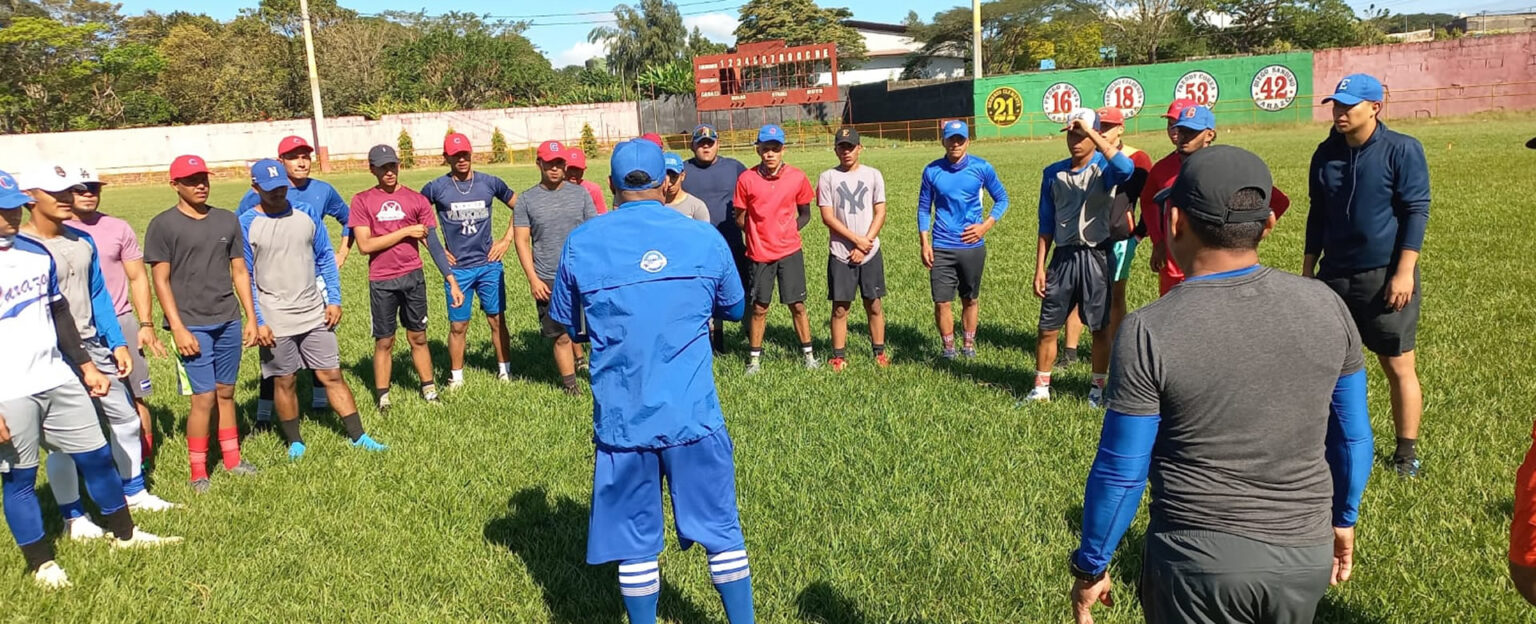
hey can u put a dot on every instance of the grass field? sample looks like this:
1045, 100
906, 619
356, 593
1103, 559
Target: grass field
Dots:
915, 494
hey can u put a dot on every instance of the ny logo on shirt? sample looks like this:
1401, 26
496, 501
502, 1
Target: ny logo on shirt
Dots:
851, 201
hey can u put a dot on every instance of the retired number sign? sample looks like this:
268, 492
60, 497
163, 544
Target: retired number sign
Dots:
1274, 88
1125, 94
1060, 99
1004, 107
1198, 86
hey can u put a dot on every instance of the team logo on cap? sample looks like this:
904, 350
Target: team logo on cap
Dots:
1343, 84
843, 133
653, 262
555, 146
773, 131
5, 182
193, 161
59, 171
1189, 113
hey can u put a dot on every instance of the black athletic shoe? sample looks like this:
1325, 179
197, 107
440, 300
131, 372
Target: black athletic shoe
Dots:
1407, 467
262, 426
1066, 357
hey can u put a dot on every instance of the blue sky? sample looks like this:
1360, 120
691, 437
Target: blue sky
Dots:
563, 38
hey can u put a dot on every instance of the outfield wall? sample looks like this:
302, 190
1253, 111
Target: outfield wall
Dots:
1440, 78
132, 150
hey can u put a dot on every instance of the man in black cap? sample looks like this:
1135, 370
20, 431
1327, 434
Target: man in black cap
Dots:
712, 178
852, 200
1243, 391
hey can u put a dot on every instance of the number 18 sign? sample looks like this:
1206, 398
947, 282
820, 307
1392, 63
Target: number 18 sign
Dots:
1125, 94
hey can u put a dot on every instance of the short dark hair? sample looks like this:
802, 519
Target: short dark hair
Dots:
638, 179
1238, 236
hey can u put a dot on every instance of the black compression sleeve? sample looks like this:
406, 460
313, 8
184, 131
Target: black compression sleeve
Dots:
70, 343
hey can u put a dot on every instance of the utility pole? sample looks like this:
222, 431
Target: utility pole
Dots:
322, 150
976, 37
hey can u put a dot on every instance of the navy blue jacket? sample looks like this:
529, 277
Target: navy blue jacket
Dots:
1367, 202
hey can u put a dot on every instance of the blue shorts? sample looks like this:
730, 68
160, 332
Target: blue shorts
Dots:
486, 283
218, 358
626, 518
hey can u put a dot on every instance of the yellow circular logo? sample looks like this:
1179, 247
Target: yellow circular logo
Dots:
1004, 107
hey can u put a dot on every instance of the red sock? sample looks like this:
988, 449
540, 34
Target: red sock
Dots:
197, 450
229, 444
147, 443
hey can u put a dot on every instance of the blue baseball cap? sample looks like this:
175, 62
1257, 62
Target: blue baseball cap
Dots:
1196, 118
674, 163
770, 133
11, 196
956, 128
705, 132
637, 155
269, 175
1356, 88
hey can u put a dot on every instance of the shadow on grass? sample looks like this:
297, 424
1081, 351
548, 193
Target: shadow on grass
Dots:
1330, 610
530, 359
551, 540
820, 603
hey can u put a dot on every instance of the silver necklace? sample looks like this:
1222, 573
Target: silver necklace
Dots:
463, 191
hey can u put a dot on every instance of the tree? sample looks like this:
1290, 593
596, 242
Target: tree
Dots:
675, 78
699, 45
352, 53
59, 63
284, 16
1141, 25
193, 59
653, 34
473, 70
262, 75
801, 22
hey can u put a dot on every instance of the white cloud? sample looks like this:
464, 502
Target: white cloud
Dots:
579, 54
717, 27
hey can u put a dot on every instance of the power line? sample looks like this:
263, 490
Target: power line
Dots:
579, 14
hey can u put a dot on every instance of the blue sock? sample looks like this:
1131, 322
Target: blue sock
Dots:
640, 583
133, 485
733, 579
22, 512
101, 479
70, 511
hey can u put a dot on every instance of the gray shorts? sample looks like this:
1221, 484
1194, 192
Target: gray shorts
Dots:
138, 380
1206, 577
957, 269
117, 407
62, 420
315, 350
1077, 277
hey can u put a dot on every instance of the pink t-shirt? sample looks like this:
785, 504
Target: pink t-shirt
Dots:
597, 195
383, 213
116, 243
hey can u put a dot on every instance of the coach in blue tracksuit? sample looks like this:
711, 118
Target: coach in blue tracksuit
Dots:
1369, 189
648, 280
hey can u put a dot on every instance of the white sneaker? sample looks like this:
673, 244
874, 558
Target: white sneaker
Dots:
1041, 394
454, 384
1096, 398
82, 529
145, 539
811, 363
503, 377
51, 576
144, 501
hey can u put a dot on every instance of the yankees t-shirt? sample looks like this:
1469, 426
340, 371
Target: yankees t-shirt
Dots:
852, 195
383, 213
464, 212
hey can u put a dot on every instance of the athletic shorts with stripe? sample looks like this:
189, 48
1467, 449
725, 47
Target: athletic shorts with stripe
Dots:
626, 521
138, 380
403, 298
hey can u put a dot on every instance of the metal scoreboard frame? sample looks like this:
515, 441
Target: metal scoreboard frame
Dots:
765, 74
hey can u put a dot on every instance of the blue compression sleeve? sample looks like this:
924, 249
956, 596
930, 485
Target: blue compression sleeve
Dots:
325, 266
1119, 171
1047, 209
925, 205
101, 479
1115, 485
435, 251
1350, 447
22, 512
999, 194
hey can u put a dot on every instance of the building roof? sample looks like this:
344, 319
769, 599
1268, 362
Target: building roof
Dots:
895, 29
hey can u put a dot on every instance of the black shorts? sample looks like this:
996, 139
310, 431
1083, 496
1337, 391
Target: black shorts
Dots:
845, 280
788, 271
1206, 577
957, 269
1079, 277
1382, 330
404, 297
548, 327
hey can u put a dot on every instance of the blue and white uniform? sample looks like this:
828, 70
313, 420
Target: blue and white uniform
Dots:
464, 217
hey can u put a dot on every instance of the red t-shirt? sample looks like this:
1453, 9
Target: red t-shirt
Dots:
772, 203
1522, 529
383, 213
597, 195
1163, 175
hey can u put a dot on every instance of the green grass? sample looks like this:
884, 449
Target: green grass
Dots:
913, 494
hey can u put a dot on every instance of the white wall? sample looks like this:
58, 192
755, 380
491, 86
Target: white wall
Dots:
884, 68
147, 149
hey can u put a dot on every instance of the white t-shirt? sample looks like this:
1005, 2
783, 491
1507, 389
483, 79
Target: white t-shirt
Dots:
852, 195
28, 288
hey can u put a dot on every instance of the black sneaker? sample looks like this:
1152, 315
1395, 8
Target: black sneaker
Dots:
1066, 357
1407, 467
574, 391
262, 426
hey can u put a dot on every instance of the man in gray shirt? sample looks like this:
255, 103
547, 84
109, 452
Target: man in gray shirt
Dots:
852, 200
677, 198
295, 324
545, 214
1242, 393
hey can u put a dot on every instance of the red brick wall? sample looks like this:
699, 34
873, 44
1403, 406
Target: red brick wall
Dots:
1438, 78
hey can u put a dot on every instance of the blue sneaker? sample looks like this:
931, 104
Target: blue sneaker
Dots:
369, 444
295, 451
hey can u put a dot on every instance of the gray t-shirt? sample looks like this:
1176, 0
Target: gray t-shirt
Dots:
283, 270
72, 257
1242, 370
199, 251
852, 195
691, 207
551, 215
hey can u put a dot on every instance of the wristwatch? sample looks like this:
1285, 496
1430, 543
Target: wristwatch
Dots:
146, 324
1085, 576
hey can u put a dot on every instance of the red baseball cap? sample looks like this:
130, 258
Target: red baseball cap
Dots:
1110, 115
576, 158
293, 144
456, 143
654, 138
187, 166
1178, 106
552, 150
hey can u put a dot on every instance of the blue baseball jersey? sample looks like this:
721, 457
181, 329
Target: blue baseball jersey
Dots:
464, 214
319, 194
29, 285
648, 280
949, 199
